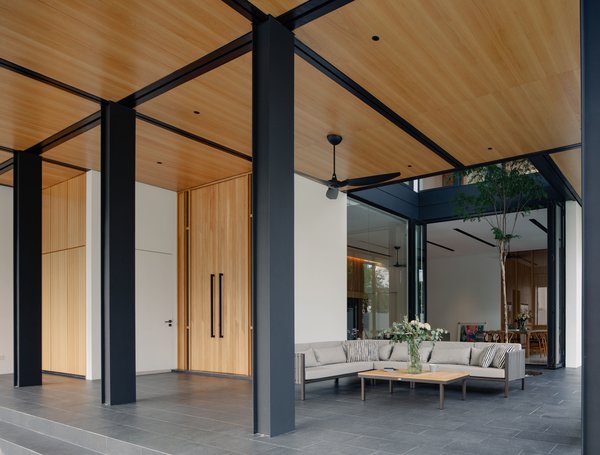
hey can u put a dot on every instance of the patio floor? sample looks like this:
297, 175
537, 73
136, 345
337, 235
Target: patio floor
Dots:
191, 414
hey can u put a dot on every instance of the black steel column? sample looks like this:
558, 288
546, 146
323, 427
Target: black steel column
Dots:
118, 254
273, 227
27, 201
413, 311
590, 163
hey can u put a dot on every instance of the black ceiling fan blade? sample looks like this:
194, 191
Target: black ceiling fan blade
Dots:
371, 180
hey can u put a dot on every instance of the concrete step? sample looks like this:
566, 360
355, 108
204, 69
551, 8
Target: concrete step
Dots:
32, 429
16, 440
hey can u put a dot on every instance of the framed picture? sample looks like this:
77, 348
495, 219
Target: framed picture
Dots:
470, 331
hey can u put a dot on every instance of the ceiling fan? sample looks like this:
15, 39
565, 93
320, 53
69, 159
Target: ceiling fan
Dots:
334, 185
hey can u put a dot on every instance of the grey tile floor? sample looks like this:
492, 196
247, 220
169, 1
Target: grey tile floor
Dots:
189, 414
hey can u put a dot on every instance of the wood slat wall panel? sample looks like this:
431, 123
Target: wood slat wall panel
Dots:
471, 75
570, 165
32, 111
63, 277
112, 48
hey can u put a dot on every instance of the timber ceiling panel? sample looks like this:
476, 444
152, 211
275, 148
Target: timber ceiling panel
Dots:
371, 145
185, 163
277, 7
52, 174
570, 165
4, 156
472, 75
112, 47
223, 98
31, 111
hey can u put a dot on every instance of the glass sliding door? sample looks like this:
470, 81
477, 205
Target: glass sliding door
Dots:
377, 270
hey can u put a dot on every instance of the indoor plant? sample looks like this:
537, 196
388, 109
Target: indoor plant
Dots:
413, 333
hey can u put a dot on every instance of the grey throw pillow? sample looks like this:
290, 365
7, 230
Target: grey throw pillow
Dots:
454, 355
309, 358
487, 356
384, 351
476, 356
326, 356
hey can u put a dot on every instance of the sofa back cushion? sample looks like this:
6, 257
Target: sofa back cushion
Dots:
452, 355
361, 351
310, 360
326, 356
385, 350
400, 352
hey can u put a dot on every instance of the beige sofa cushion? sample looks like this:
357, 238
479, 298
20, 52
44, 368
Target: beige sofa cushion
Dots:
400, 352
327, 356
451, 355
381, 364
309, 358
488, 373
385, 350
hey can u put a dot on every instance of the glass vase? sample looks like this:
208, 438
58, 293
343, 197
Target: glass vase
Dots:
414, 356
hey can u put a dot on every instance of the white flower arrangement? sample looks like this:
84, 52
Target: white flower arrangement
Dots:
413, 330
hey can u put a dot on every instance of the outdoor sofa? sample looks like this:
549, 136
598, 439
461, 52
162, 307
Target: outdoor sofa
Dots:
331, 360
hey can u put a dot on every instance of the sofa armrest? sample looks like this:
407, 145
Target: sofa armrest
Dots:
300, 371
515, 365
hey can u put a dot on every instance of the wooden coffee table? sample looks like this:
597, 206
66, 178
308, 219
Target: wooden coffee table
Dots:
427, 377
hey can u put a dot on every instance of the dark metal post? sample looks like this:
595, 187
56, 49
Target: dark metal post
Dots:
413, 310
590, 163
27, 197
273, 227
118, 254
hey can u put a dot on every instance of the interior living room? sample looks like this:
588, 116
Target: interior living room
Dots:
238, 227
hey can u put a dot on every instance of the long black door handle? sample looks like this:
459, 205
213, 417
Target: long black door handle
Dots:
220, 305
212, 304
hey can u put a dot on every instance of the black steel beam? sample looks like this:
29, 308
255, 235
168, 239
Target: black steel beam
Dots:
27, 225
273, 228
74, 130
246, 9
474, 237
6, 165
49, 81
590, 163
69, 165
370, 100
118, 254
554, 176
192, 136
309, 11
221, 56
7, 149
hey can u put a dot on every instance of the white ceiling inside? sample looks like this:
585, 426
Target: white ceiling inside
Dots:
531, 237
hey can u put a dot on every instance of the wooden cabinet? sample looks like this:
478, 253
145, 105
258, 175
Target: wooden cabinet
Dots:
219, 278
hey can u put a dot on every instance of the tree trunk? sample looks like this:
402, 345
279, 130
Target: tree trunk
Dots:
503, 294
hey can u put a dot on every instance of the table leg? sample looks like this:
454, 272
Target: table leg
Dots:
412, 385
391, 386
441, 396
362, 389
464, 389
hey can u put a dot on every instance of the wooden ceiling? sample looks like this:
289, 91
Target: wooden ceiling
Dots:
484, 80
569, 164
472, 75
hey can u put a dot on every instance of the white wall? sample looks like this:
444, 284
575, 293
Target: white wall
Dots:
573, 259
6, 280
463, 289
93, 283
320, 263
156, 278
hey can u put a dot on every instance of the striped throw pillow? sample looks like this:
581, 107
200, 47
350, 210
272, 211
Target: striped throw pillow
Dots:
487, 355
500, 356
361, 351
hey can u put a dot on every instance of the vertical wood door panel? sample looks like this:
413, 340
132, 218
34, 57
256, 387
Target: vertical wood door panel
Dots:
204, 349
233, 259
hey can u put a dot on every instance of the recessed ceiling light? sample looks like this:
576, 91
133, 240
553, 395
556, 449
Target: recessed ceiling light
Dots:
196, 112
489, 148
375, 37
410, 165
159, 162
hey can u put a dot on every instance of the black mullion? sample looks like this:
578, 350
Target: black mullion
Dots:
370, 100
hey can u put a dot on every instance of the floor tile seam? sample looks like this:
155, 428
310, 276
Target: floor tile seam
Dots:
56, 438
21, 447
